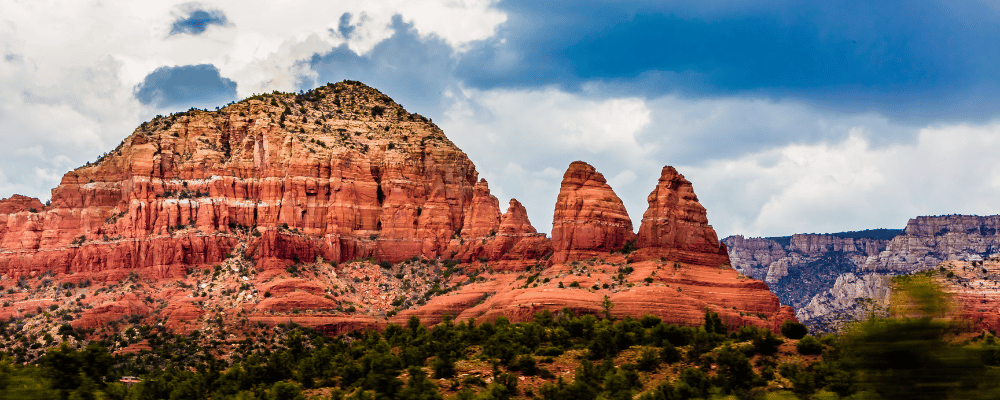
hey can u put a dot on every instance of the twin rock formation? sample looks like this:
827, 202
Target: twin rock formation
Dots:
338, 173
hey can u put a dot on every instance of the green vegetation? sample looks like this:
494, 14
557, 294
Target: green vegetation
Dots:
608, 359
558, 355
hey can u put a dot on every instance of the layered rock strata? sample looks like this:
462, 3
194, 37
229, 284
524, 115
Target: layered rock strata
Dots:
675, 226
975, 291
338, 209
928, 241
341, 172
821, 276
829, 279
589, 217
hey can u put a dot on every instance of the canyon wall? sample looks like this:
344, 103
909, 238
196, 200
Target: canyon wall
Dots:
830, 279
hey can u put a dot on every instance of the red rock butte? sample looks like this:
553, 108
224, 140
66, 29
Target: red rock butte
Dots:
675, 226
589, 219
344, 173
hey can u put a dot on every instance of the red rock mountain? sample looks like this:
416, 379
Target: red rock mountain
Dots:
338, 209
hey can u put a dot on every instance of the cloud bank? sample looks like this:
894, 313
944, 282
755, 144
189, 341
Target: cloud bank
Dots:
787, 116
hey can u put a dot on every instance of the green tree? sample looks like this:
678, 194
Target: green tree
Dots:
793, 330
418, 387
713, 323
526, 364
383, 371
669, 353
607, 305
5, 373
664, 391
694, 384
63, 367
603, 344
285, 391
809, 346
621, 383
735, 374
444, 366
649, 360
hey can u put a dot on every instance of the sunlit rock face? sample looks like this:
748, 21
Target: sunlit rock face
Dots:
338, 209
589, 217
675, 226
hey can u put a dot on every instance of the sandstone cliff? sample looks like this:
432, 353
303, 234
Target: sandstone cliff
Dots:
341, 172
338, 209
975, 290
589, 218
675, 226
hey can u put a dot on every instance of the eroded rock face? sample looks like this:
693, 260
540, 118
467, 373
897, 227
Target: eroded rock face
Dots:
280, 208
18, 203
826, 277
677, 293
928, 241
975, 290
852, 298
341, 172
125, 306
822, 274
589, 217
508, 238
483, 217
675, 226
753, 256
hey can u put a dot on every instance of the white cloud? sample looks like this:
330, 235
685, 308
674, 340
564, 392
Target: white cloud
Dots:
851, 185
533, 135
68, 68
458, 22
759, 167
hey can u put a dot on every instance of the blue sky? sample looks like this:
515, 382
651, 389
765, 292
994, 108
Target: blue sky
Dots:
788, 116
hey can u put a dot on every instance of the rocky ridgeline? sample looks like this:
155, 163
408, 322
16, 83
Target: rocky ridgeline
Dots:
832, 278
290, 200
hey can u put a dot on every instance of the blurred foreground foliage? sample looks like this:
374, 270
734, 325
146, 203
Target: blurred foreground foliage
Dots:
908, 355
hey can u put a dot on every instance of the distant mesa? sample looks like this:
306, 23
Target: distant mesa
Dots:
830, 279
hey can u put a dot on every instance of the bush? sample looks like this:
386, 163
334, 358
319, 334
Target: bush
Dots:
649, 321
809, 345
764, 341
526, 364
444, 367
793, 330
649, 361
669, 353
549, 352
